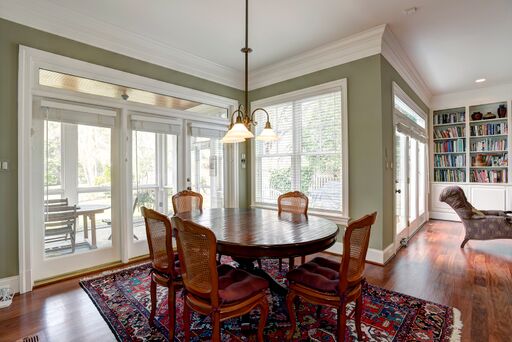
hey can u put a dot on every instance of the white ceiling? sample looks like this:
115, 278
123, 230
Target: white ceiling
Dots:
450, 42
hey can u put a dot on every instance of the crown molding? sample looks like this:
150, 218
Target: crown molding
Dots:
50, 17
357, 46
396, 56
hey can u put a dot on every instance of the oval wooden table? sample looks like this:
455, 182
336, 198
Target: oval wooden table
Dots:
249, 234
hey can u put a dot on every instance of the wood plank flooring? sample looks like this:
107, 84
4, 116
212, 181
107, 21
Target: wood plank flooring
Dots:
477, 280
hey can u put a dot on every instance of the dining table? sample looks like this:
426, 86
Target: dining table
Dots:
248, 234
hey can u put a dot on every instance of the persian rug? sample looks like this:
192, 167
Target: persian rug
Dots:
122, 298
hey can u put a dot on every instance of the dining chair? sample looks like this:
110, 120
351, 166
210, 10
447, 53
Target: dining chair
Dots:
294, 202
187, 200
59, 223
223, 292
165, 266
326, 282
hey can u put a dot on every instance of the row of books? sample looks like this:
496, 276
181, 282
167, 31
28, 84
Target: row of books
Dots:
489, 176
445, 118
458, 145
488, 145
450, 132
489, 160
450, 160
489, 129
449, 175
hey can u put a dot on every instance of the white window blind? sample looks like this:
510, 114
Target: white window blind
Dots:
207, 131
155, 125
308, 156
77, 114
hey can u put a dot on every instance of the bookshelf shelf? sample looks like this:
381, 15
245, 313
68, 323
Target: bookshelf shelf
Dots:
450, 145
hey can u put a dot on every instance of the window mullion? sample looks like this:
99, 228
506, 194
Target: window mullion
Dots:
297, 140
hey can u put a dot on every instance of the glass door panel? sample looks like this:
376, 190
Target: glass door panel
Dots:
401, 188
73, 153
207, 170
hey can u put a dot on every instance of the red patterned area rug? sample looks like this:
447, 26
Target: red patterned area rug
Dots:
122, 297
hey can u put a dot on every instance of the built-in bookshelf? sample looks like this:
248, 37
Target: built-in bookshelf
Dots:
449, 137
488, 143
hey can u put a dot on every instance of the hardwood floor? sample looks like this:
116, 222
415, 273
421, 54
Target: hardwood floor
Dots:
477, 280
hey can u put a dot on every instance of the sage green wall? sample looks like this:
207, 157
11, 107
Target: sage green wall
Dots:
370, 134
388, 76
11, 36
364, 131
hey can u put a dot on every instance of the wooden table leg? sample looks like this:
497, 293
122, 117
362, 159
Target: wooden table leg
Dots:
93, 230
86, 229
248, 266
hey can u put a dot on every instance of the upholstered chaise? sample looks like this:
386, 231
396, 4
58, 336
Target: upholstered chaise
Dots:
479, 224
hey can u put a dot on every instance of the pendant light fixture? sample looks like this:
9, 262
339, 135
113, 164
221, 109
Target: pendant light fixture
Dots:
241, 128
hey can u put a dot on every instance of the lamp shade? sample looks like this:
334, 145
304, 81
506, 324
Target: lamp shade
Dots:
240, 131
230, 139
267, 134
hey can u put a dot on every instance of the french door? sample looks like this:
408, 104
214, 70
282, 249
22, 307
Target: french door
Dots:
74, 170
170, 155
87, 199
410, 184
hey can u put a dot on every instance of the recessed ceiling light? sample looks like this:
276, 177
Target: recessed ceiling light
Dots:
480, 80
410, 11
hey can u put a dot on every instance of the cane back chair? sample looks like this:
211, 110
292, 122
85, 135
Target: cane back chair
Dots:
187, 200
165, 267
326, 282
222, 292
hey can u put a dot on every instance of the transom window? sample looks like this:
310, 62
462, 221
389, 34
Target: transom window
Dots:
309, 155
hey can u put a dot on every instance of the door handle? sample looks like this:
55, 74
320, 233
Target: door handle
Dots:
398, 191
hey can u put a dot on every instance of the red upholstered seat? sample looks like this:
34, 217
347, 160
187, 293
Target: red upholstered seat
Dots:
319, 274
237, 285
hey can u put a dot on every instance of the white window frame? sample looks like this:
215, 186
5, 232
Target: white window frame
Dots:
340, 218
411, 128
30, 61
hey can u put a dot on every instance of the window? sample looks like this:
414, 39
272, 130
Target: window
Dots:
309, 155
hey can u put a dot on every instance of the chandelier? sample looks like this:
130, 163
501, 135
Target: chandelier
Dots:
241, 128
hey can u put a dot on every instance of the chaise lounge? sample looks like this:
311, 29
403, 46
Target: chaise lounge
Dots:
479, 224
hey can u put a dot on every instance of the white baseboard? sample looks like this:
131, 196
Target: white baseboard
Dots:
437, 215
374, 255
11, 282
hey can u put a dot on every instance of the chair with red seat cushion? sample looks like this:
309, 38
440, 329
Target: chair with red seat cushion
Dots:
165, 266
220, 291
326, 282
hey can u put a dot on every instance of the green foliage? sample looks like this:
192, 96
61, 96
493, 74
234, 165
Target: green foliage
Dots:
280, 180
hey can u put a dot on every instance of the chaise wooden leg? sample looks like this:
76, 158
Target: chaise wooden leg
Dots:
290, 298
464, 242
259, 264
186, 320
153, 302
280, 265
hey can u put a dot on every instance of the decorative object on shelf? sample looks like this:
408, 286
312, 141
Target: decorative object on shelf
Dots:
476, 116
480, 160
502, 111
489, 116
240, 129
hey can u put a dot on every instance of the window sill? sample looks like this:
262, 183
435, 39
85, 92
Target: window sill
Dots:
337, 218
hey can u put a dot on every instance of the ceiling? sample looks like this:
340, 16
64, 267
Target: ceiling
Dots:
450, 42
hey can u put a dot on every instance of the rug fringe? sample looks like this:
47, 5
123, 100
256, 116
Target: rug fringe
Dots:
457, 326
